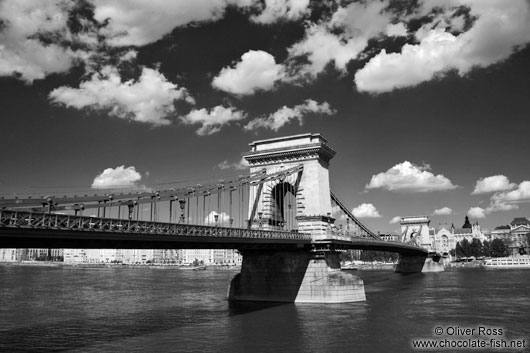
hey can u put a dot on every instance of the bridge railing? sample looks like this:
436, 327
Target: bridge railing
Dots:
32, 220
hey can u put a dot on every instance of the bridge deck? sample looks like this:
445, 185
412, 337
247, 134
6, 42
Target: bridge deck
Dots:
29, 229
22, 229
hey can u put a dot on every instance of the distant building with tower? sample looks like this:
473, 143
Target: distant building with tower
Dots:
514, 235
441, 240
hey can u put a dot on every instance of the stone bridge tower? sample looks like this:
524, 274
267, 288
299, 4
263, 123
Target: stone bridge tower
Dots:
298, 275
307, 194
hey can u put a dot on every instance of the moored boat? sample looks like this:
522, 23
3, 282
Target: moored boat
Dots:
515, 262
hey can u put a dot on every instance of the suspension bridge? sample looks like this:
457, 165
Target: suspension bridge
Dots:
282, 216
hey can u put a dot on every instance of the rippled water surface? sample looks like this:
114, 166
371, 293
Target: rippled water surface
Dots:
47, 309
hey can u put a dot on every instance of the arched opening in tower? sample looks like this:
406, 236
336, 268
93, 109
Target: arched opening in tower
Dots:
283, 206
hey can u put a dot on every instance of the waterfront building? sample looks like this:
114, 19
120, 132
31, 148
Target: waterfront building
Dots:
389, 236
228, 257
135, 256
500, 232
444, 241
519, 231
75, 256
203, 256
8, 255
221, 257
468, 231
514, 235
167, 256
39, 254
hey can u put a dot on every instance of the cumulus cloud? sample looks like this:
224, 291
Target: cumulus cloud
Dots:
520, 193
408, 177
366, 210
140, 22
150, 99
493, 184
396, 30
212, 120
21, 51
286, 114
117, 177
477, 212
499, 29
506, 200
340, 39
257, 70
242, 164
444, 211
395, 220
275, 10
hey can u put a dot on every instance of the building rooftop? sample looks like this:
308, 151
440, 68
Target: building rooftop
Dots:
502, 227
520, 221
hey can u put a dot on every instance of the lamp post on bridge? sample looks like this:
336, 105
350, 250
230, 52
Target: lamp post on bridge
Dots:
49, 204
130, 205
216, 218
260, 214
182, 204
78, 208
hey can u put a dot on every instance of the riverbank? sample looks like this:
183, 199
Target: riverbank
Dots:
124, 266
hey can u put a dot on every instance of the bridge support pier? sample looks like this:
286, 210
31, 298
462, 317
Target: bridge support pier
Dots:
294, 276
418, 263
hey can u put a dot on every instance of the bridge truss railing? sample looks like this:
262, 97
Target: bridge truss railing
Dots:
51, 221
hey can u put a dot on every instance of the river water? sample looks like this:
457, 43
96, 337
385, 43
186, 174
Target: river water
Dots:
53, 309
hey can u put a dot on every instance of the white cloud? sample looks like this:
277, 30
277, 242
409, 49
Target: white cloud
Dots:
223, 219
149, 99
520, 193
21, 52
285, 115
321, 47
341, 39
276, 10
499, 28
500, 205
116, 177
408, 177
242, 164
444, 211
257, 70
477, 212
366, 210
211, 121
395, 220
493, 184
506, 200
396, 30
138, 22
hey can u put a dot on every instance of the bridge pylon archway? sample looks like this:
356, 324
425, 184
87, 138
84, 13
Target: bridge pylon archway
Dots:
303, 200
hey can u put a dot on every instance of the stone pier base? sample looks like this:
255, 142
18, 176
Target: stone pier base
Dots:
300, 277
411, 264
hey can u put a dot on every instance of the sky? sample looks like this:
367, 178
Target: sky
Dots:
425, 102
